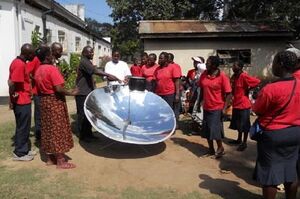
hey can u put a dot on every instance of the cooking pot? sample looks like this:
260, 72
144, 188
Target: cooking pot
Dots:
137, 83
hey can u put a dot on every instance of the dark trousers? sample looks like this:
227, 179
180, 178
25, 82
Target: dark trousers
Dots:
37, 117
170, 99
23, 121
84, 126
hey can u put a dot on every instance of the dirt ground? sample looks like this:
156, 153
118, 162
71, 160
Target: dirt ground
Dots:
178, 163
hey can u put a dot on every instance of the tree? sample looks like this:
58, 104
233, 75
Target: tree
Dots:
102, 29
126, 15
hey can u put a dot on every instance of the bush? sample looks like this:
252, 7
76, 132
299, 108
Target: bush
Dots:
69, 71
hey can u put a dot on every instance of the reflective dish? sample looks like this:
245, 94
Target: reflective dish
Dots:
137, 117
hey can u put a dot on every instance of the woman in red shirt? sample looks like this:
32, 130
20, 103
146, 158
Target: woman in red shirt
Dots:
148, 71
56, 135
241, 83
136, 69
167, 81
215, 90
277, 107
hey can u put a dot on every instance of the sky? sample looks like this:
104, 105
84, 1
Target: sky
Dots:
95, 9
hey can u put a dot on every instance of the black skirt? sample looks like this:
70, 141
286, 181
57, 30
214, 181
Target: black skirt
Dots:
240, 120
277, 156
212, 127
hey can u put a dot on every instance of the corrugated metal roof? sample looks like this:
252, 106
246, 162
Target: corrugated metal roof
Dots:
197, 26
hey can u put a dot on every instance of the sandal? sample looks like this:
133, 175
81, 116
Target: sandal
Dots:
219, 154
66, 165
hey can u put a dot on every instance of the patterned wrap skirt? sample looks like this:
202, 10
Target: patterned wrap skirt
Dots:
56, 134
277, 156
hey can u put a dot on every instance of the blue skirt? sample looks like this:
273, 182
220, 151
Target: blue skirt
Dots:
277, 156
212, 127
240, 120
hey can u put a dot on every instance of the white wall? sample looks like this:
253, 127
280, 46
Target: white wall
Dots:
262, 51
8, 52
17, 29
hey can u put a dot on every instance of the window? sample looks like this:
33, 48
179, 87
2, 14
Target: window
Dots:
99, 47
49, 36
104, 49
88, 43
228, 57
62, 39
37, 28
77, 44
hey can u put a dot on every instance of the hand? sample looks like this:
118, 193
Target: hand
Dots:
75, 91
11, 105
126, 80
177, 98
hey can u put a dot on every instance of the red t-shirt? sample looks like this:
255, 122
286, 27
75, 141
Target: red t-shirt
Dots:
46, 77
191, 74
136, 71
164, 77
32, 66
148, 72
20, 76
214, 89
297, 74
272, 98
240, 88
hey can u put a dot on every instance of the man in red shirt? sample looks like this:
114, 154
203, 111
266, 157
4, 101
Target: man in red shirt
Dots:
215, 90
32, 67
20, 102
241, 84
177, 68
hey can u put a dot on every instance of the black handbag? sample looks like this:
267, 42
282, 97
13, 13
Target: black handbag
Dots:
256, 129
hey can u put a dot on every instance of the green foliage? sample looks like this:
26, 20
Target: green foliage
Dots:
126, 15
69, 71
36, 38
102, 29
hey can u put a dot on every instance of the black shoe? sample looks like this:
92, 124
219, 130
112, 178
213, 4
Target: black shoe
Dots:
242, 147
235, 142
92, 137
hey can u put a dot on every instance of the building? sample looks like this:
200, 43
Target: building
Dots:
19, 18
253, 43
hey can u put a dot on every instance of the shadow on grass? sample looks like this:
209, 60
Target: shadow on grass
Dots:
227, 189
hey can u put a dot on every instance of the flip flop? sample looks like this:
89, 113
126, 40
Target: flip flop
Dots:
66, 165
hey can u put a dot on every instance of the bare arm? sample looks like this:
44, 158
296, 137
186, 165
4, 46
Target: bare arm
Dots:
177, 90
109, 76
228, 97
61, 90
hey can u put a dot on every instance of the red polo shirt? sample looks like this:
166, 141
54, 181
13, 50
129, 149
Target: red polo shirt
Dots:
297, 74
32, 67
148, 72
46, 77
214, 89
191, 74
136, 71
272, 98
19, 75
240, 87
165, 77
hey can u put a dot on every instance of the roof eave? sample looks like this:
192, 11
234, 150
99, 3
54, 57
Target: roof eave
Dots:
216, 35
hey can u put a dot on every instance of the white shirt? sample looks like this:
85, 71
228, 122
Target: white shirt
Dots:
120, 70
